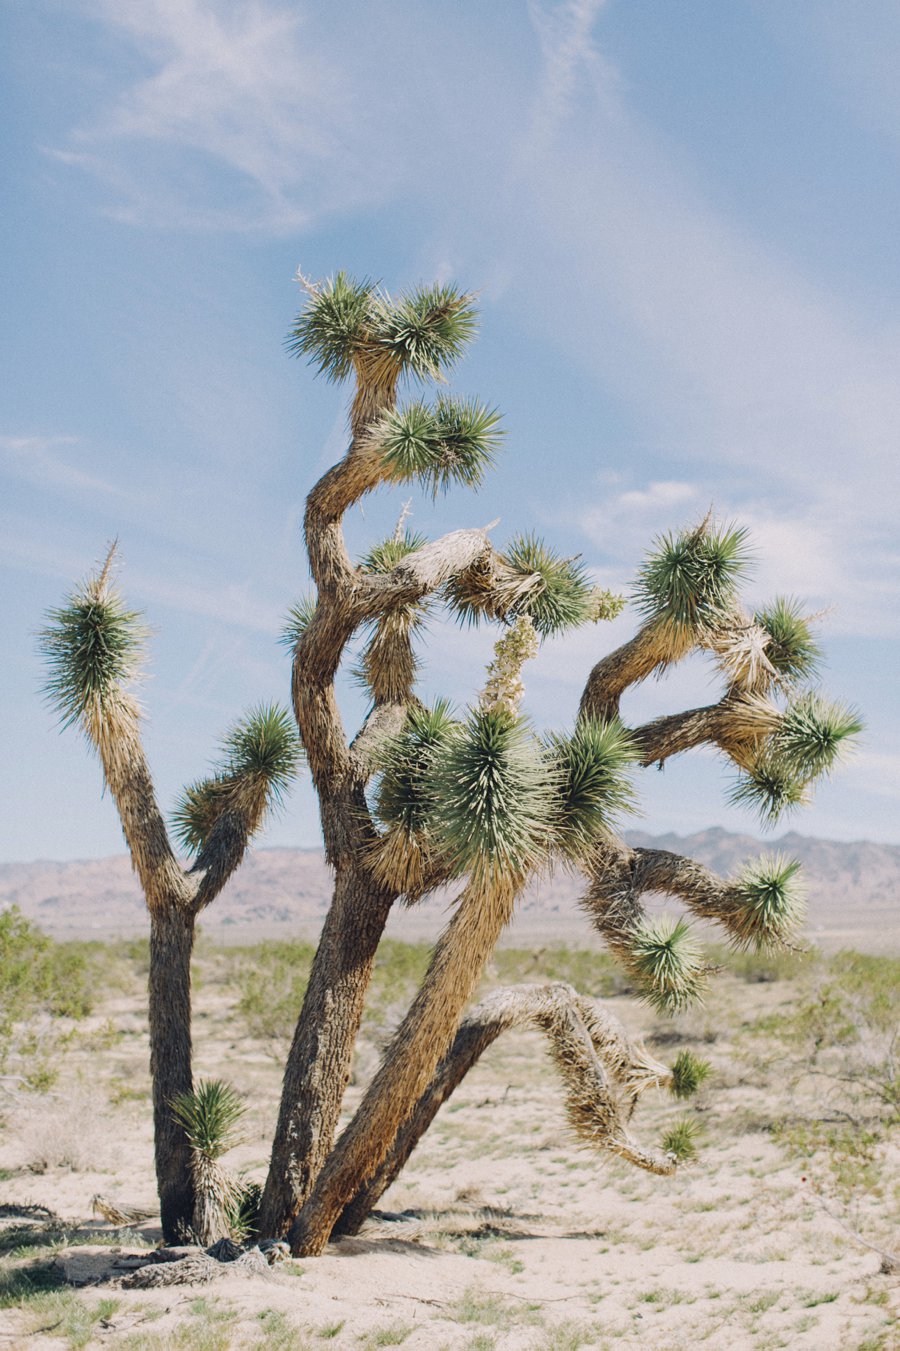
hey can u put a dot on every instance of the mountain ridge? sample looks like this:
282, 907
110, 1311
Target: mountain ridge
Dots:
281, 891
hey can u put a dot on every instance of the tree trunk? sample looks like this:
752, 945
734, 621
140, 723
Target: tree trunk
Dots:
421, 1041
318, 1066
471, 1041
171, 943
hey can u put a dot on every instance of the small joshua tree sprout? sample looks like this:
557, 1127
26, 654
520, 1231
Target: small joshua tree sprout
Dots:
211, 1115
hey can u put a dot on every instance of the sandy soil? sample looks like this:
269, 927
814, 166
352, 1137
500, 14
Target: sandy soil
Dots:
510, 1236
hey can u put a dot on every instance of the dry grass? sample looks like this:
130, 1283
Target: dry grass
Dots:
511, 1236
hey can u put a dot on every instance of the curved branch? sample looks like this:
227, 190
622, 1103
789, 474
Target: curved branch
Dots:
620, 877
628, 665
601, 1083
736, 725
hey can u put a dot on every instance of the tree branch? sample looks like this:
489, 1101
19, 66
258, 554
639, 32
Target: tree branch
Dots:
736, 725
603, 1073
422, 572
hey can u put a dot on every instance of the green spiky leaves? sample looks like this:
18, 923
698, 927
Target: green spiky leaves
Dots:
680, 1139
806, 744
348, 323
812, 735
493, 804
92, 646
427, 329
664, 959
771, 903
769, 788
264, 748
260, 756
690, 581
382, 557
404, 796
534, 580
454, 441
688, 1073
564, 598
389, 664
334, 325
211, 1116
297, 621
592, 768
792, 648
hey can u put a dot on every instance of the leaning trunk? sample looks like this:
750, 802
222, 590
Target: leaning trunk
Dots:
171, 943
471, 1041
409, 1064
318, 1066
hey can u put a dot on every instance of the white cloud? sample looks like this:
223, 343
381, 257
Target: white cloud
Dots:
782, 399
234, 88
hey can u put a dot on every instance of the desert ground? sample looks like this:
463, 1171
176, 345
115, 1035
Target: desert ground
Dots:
502, 1232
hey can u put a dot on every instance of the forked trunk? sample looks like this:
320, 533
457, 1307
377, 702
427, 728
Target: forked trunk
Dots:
171, 943
409, 1064
318, 1066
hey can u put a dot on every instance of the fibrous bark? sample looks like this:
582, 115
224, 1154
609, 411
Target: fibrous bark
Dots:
602, 1083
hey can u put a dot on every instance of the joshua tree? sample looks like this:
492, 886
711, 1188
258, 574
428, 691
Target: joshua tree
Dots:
94, 646
419, 798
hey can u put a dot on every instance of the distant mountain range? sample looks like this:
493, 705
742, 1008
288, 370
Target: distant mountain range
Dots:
854, 893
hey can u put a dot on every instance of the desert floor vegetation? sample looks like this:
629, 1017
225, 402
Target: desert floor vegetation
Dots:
501, 1232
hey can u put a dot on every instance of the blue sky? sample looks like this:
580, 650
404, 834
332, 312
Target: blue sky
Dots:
682, 221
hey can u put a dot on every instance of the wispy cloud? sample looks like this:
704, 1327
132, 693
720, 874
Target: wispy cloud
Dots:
238, 121
779, 395
37, 459
565, 33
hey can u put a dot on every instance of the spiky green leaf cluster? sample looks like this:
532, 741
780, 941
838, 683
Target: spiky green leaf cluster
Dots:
382, 557
493, 803
92, 646
772, 902
241, 1209
211, 1115
428, 328
333, 326
261, 753
812, 734
806, 744
198, 809
665, 961
690, 580
769, 788
592, 770
454, 441
264, 747
792, 649
565, 596
680, 1140
404, 794
297, 621
688, 1073
422, 332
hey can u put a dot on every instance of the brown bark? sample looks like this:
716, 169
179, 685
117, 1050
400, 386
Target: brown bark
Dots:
621, 876
564, 1016
409, 1062
171, 943
318, 1065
